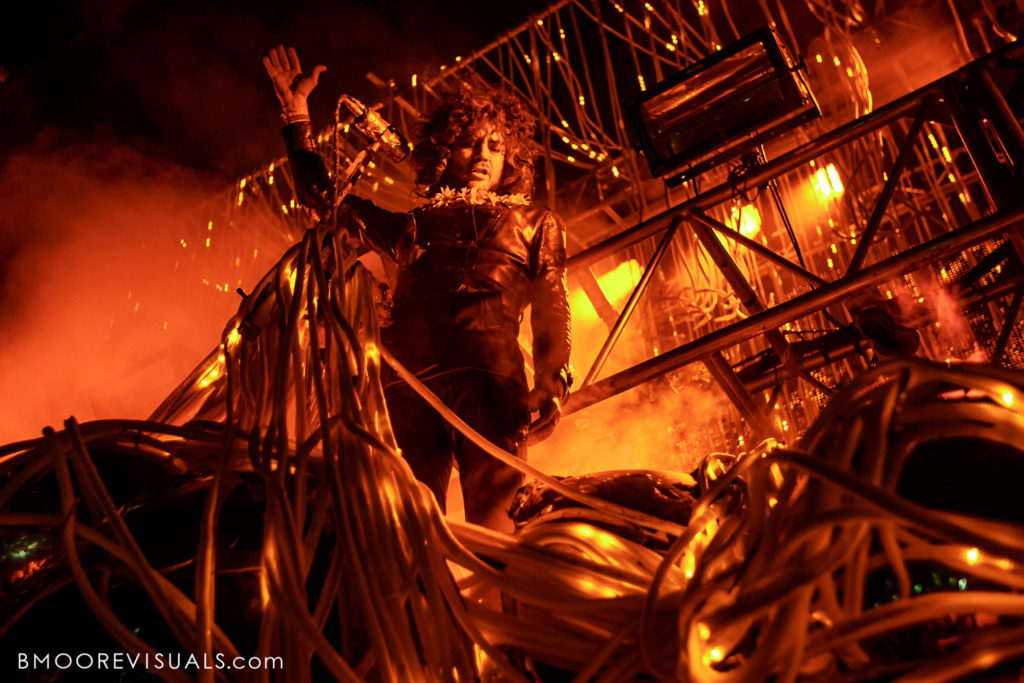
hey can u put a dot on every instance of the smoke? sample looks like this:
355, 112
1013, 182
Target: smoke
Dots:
656, 426
97, 320
669, 424
947, 332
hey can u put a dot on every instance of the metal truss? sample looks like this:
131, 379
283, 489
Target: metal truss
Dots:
987, 163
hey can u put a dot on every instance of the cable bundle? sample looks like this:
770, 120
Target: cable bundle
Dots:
361, 577
784, 588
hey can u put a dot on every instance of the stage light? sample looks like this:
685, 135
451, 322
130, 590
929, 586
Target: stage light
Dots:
827, 182
746, 219
720, 107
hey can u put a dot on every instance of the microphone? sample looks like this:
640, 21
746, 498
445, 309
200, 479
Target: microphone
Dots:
374, 127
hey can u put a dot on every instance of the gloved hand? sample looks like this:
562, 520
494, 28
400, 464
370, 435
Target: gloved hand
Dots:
544, 399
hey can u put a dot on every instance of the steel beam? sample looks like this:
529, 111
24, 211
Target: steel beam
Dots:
627, 310
867, 237
832, 293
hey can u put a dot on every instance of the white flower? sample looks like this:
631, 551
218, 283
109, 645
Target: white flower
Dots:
475, 196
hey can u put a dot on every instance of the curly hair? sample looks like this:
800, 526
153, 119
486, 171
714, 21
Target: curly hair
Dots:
460, 112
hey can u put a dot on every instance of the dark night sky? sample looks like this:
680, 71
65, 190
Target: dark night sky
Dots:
182, 80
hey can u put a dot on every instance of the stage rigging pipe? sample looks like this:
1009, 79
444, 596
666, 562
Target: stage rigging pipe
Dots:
867, 237
785, 163
1003, 118
995, 175
702, 218
815, 359
1008, 322
627, 310
754, 411
999, 181
834, 292
744, 291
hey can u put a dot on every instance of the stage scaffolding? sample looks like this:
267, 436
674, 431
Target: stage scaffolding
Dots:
753, 277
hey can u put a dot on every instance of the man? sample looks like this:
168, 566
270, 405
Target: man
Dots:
469, 262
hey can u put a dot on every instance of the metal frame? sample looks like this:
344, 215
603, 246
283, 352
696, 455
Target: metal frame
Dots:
960, 94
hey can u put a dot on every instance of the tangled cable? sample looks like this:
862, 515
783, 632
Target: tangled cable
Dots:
360, 575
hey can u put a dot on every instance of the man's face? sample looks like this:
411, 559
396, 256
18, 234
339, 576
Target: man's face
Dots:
478, 159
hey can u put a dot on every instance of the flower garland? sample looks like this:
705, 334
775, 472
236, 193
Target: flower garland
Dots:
474, 196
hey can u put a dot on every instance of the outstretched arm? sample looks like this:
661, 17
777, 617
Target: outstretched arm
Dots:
290, 84
313, 185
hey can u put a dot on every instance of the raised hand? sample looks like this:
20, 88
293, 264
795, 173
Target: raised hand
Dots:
290, 84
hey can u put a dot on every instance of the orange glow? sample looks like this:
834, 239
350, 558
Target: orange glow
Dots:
372, 353
616, 285
827, 182
747, 220
689, 564
833, 178
821, 184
